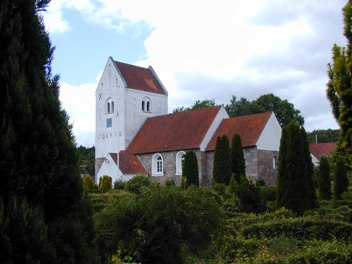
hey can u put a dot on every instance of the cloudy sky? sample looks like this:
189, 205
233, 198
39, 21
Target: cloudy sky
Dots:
200, 50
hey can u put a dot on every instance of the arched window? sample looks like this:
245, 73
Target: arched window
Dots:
180, 159
157, 165
110, 107
146, 104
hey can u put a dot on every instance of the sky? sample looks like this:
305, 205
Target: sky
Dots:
200, 49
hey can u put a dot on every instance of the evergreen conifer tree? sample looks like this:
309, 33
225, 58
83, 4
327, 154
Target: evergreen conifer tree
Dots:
38, 160
190, 169
339, 88
237, 158
295, 177
341, 180
222, 161
324, 179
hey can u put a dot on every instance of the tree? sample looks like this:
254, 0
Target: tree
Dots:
222, 161
284, 111
341, 180
323, 135
339, 88
324, 179
39, 163
295, 174
241, 107
190, 169
237, 158
199, 104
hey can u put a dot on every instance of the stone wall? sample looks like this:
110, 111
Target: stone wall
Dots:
268, 166
169, 166
251, 159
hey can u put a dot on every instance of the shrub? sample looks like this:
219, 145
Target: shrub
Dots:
119, 185
88, 183
136, 184
105, 183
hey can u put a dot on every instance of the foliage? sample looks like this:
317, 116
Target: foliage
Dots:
340, 178
222, 161
339, 89
323, 135
199, 104
324, 179
105, 183
39, 162
162, 225
248, 195
136, 184
87, 159
23, 235
88, 183
295, 177
190, 169
237, 158
284, 111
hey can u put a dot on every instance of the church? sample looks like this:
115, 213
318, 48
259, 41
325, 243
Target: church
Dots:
135, 134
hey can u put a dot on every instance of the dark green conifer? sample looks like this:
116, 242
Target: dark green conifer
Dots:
237, 158
190, 169
324, 179
38, 160
295, 177
341, 180
222, 161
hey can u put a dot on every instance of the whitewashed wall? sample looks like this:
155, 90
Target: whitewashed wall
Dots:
271, 135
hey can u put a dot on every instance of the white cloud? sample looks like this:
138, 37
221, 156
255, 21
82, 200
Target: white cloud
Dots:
216, 49
79, 103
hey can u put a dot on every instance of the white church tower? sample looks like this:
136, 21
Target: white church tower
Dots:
125, 97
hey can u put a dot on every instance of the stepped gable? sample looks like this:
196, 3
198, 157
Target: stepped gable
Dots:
139, 78
249, 127
129, 163
322, 149
179, 131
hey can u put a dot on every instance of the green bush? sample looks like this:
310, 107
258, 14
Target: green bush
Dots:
300, 228
88, 183
137, 183
119, 185
105, 183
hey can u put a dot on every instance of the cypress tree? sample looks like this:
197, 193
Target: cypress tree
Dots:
339, 88
38, 160
222, 161
237, 158
190, 169
295, 177
341, 180
324, 179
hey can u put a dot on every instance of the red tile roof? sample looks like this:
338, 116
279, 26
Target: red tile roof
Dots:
129, 163
249, 128
179, 131
140, 78
322, 149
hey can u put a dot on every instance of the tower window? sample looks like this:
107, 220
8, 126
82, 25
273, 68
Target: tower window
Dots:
110, 106
146, 105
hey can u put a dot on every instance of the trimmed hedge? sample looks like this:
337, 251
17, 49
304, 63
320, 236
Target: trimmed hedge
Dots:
300, 228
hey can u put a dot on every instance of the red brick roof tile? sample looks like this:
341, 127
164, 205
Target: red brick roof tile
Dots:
129, 163
322, 149
140, 78
179, 131
249, 127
